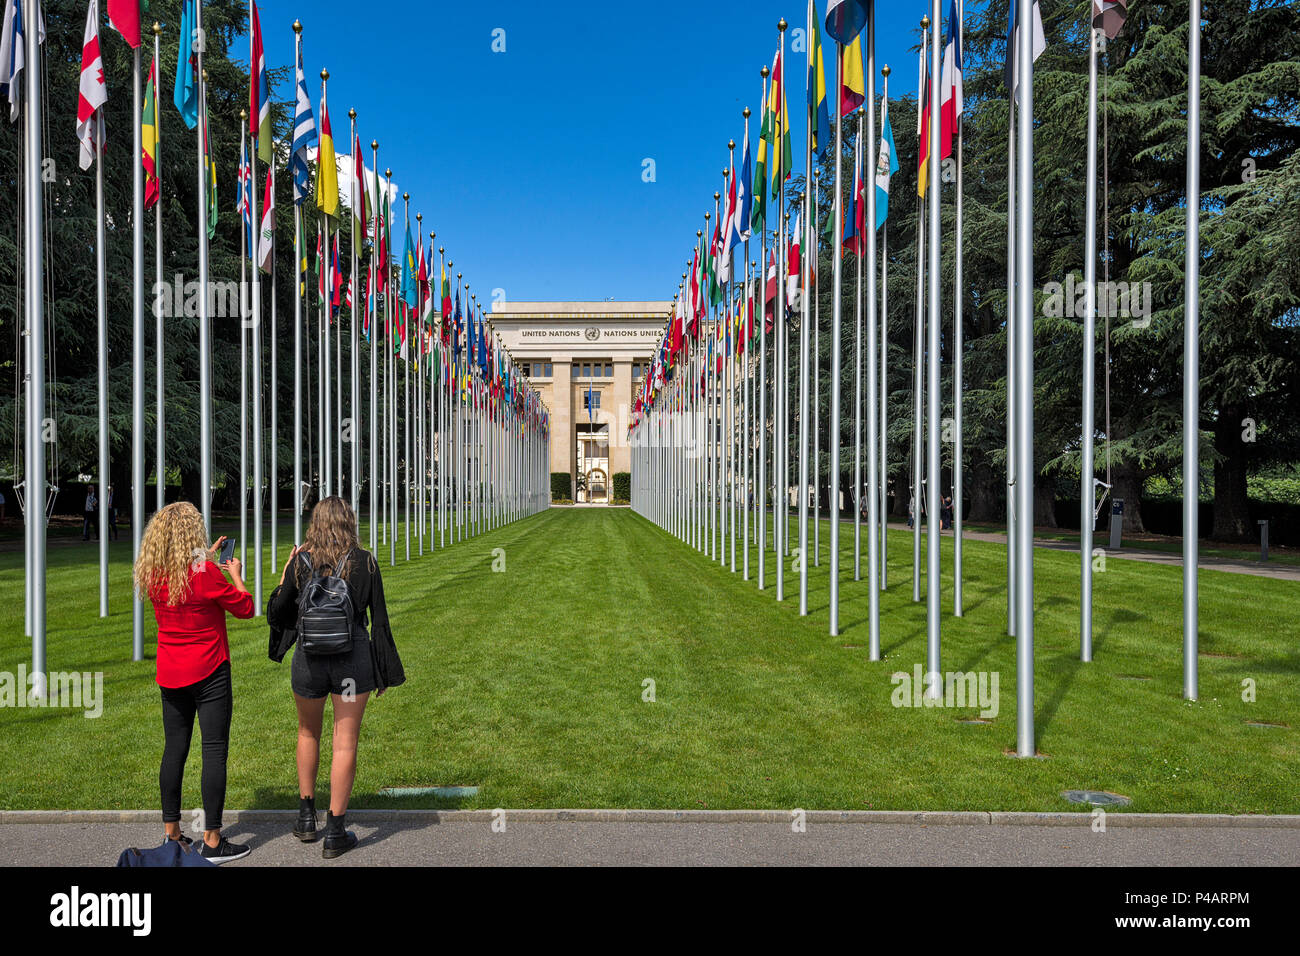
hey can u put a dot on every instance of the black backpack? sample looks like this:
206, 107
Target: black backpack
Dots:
326, 616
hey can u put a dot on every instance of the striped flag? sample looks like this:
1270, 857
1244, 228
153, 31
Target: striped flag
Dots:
1011, 74
358, 196
845, 19
149, 139
950, 104
266, 235
244, 201
93, 93
13, 54
259, 93
852, 82
886, 165
304, 135
820, 130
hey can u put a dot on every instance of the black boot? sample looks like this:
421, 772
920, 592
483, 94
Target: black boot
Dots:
337, 840
305, 828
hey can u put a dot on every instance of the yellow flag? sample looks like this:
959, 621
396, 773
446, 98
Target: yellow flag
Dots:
327, 170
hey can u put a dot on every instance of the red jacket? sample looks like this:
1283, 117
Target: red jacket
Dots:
192, 635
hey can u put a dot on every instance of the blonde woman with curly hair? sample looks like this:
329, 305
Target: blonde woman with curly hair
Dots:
190, 599
347, 670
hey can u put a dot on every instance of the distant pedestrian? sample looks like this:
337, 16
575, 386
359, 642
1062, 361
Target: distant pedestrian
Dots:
911, 510
90, 515
112, 515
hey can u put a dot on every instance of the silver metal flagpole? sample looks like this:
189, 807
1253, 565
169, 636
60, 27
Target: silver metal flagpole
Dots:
330, 422
35, 300
1025, 746
245, 230
354, 470
137, 353
255, 368
299, 290
813, 234
1087, 469
836, 320
101, 273
747, 323
1011, 364
804, 344
918, 344
934, 461
857, 363
781, 329
884, 373
958, 360
160, 411
272, 445
372, 310
406, 403
873, 488
205, 330
1192, 360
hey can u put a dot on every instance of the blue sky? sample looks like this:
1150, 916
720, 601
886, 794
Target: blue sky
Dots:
528, 162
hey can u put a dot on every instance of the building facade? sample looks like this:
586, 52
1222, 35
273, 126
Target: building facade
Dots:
586, 359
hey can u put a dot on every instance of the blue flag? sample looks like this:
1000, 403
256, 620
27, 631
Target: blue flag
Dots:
186, 93
886, 166
304, 136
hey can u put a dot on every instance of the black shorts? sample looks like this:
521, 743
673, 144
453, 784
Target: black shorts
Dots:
316, 675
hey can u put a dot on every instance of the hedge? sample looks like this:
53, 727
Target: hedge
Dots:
622, 486
561, 486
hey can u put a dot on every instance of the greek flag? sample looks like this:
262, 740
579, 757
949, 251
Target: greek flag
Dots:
304, 136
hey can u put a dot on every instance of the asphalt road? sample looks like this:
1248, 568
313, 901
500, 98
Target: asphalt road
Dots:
574, 843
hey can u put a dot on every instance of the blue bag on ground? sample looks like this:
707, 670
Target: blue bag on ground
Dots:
171, 853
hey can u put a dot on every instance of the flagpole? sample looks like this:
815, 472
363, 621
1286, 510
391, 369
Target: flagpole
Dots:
255, 368
159, 345
101, 272
327, 317
837, 250
804, 337
934, 461
884, 374
1087, 468
299, 290
1011, 364
858, 179
747, 324
813, 256
273, 471
137, 350
244, 229
372, 309
205, 331
873, 486
35, 302
354, 474
1191, 361
918, 345
958, 349
1024, 387
406, 400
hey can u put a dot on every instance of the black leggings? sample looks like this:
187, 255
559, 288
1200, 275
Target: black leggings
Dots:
212, 699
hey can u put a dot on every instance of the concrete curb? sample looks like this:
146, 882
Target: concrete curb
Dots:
922, 818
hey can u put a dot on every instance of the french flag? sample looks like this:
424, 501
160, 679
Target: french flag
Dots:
950, 103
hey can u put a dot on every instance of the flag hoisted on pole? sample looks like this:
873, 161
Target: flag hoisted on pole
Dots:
844, 21
137, 325
91, 99
950, 118
304, 135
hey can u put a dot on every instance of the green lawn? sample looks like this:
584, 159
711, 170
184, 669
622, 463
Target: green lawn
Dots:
529, 684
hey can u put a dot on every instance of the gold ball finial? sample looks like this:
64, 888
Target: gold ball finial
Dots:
731, 144
716, 195
817, 174
157, 28
205, 76
406, 197
925, 22
374, 144
419, 217
432, 236
324, 74
243, 114
457, 274
885, 71
352, 114
763, 72
388, 173
745, 112
781, 24
698, 232
440, 250
297, 26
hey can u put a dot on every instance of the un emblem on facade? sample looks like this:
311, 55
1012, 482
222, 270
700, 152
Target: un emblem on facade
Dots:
593, 333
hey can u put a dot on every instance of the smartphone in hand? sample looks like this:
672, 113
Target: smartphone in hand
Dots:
227, 551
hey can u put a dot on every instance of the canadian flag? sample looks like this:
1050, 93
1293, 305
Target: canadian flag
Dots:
93, 93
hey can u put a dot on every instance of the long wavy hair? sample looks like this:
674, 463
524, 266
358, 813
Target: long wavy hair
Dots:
332, 535
174, 547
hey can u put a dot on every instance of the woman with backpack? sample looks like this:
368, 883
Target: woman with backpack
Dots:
328, 587
190, 599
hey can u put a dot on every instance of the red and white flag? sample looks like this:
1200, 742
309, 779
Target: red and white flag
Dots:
950, 98
93, 93
125, 17
266, 236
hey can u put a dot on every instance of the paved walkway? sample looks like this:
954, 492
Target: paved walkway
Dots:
532, 838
